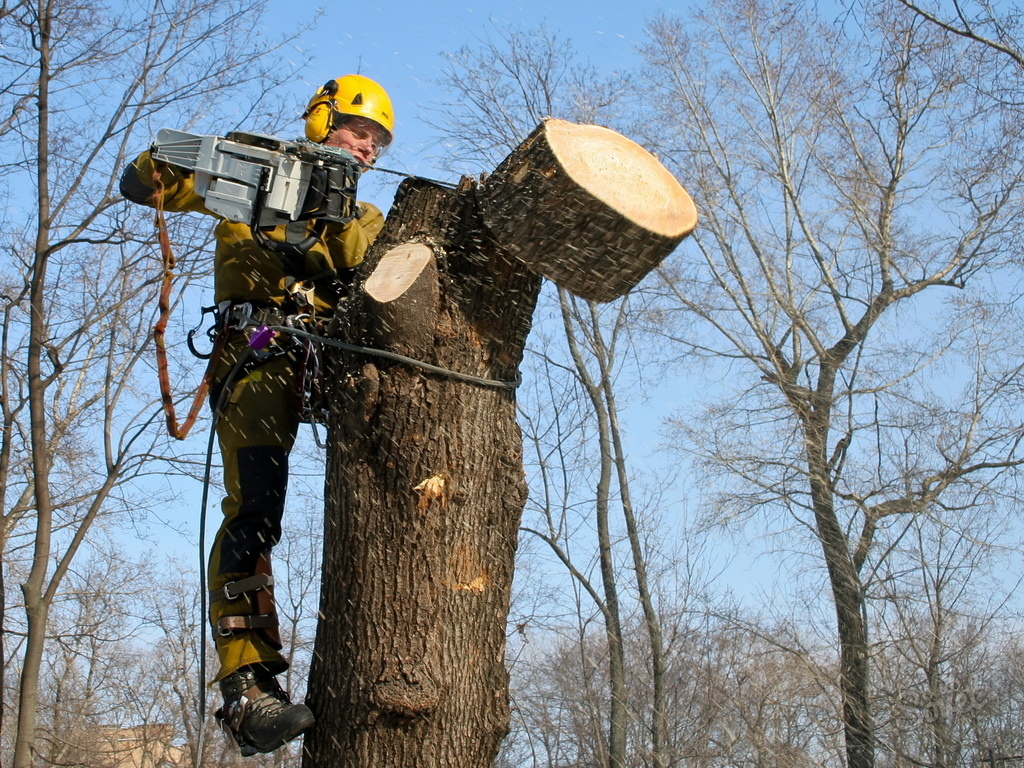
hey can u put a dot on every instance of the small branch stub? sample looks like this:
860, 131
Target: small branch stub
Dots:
587, 208
430, 490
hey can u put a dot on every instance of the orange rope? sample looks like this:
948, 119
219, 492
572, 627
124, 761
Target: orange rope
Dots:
159, 330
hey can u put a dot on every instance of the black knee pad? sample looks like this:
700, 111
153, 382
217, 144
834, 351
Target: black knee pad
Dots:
263, 479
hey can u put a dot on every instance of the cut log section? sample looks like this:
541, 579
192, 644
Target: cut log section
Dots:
587, 208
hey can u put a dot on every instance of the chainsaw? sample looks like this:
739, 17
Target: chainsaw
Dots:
264, 181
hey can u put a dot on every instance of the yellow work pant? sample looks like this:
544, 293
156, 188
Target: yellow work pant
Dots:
256, 429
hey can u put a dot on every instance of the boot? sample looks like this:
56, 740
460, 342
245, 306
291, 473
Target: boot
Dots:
258, 713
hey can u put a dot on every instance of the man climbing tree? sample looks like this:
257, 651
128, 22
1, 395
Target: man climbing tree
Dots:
424, 446
295, 275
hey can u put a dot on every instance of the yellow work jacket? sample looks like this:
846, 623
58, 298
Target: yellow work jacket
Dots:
243, 271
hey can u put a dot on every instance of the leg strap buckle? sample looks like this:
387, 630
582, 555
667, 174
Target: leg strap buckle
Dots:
258, 591
235, 589
228, 625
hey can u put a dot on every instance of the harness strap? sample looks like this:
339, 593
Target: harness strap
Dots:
235, 589
160, 329
227, 625
263, 616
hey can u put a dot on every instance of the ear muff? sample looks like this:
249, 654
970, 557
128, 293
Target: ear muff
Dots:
319, 121
319, 114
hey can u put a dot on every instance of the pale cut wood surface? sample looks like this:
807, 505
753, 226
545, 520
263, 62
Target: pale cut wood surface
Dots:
624, 175
397, 270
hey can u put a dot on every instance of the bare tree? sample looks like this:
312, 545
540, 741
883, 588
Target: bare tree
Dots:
944, 600
847, 175
991, 25
740, 691
583, 486
92, 625
510, 82
84, 87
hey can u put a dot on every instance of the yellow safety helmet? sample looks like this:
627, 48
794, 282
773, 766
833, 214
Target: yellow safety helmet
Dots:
349, 95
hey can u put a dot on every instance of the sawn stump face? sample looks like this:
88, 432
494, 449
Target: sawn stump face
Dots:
425, 491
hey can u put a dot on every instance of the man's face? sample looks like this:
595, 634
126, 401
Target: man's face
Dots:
362, 137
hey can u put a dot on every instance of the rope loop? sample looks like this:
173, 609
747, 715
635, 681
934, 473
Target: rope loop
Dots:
178, 432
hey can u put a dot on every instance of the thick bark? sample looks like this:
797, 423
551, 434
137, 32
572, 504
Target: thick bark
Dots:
425, 492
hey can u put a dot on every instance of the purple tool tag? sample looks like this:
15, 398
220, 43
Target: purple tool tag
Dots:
262, 337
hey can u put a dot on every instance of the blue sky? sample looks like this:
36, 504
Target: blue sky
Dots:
400, 44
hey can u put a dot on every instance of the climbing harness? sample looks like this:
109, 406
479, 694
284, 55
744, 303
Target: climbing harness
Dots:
305, 348
311, 405
266, 344
270, 324
395, 357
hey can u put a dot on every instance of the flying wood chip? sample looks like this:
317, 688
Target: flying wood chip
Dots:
587, 208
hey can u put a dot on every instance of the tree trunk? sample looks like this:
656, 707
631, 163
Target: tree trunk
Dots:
425, 481
36, 607
425, 491
847, 593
